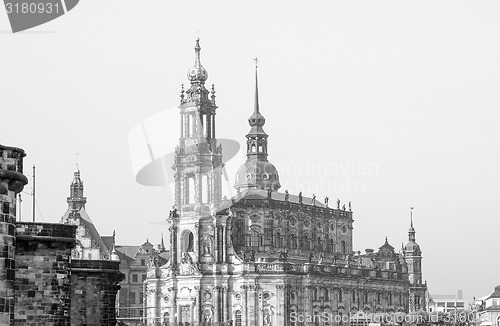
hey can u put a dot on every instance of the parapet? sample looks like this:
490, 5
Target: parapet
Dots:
53, 234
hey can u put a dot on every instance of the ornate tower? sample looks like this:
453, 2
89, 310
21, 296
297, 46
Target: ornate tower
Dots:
198, 158
76, 201
12, 181
413, 258
198, 165
89, 244
257, 172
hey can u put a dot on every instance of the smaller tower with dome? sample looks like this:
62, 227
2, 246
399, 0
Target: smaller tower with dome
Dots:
413, 258
257, 172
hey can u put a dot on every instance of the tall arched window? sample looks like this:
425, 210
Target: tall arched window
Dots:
255, 239
191, 191
204, 189
292, 243
343, 245
319, 246
315, 294
166, 319
332, 246
327, 297
237, 318
187, 244
340, 295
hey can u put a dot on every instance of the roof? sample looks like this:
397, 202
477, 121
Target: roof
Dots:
129, 251
254, 193
496, 293
84, 217
108, 242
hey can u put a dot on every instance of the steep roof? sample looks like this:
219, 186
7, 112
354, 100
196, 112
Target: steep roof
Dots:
84, 217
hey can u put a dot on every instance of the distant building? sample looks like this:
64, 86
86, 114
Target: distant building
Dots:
447, 302
89, 244
488, 309
134, 261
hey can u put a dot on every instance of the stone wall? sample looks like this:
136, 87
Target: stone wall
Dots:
94, 284
43, 275
12, 181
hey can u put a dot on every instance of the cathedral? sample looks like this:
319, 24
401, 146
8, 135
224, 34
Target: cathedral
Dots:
264, 257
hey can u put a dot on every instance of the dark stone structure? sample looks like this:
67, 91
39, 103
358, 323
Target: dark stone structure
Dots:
94, 284
43, 272
12, 181
39, 283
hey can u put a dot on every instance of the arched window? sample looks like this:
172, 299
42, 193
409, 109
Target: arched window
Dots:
166, 319
253, 148
255, 239
292, 242
315, 294
332, 246
187, 239
344, 249
308, 244
327, 297
340, 295
319, 245
190, 125
5, 208
279, 240
260, 149
191, 191
378, 297
237, 318
204, 189
353, 296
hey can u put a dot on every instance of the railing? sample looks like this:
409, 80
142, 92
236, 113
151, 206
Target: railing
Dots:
284, 267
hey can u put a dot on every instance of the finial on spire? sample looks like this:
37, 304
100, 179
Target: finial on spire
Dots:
197, 74
256, 62
256, 119
411, 216
77, 162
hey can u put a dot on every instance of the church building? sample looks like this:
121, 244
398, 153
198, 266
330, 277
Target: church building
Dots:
264, 257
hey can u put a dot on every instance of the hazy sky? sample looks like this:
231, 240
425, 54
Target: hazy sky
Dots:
388, 104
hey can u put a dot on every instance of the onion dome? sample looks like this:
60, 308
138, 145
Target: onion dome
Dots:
412, 247
197, 74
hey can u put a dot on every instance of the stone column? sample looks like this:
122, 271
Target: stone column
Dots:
12, 181
94, 284
216, 302
244, 306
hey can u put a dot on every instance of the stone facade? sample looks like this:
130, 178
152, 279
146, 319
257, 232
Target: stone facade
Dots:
134, 262
43, 253
94, 285
263, 257
39, 283
12, 181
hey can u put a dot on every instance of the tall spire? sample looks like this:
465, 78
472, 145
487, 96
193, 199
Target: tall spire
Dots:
257, 172
411, 232
257, 119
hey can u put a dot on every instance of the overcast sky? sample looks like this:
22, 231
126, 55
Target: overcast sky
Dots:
400, 100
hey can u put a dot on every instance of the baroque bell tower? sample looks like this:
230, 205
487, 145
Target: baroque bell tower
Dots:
198, 166
413, 258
